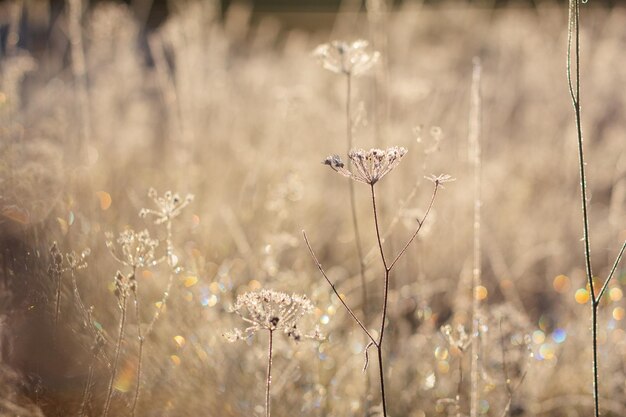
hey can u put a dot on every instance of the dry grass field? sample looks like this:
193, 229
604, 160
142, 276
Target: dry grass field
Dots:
150, 176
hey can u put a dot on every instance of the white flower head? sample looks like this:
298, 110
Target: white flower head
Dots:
271, 310
168, 206
369, 166
134, 249
346, 58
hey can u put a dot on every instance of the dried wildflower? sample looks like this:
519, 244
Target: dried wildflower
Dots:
440, 179
370, 166
458, 337
169, 206
124, 285
346, 58
133, 249
273, 311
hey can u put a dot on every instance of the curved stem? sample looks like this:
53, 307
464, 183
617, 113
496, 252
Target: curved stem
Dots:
419, 227
378, 238
321, 269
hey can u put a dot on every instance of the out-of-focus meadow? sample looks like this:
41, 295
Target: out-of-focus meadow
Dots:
230, 106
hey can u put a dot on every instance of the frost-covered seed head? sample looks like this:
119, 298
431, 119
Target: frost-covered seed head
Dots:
134, 249
369, 166
169, 206
346, 58
271, 310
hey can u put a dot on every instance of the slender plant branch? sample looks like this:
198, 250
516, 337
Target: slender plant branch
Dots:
387, 271
419, 227
141, 339
321, 269
118, 349
378, 239
474, 143
573, 36
610, 276
86, 391
459, 388
269, 375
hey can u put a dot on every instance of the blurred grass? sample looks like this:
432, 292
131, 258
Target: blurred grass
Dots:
237, 112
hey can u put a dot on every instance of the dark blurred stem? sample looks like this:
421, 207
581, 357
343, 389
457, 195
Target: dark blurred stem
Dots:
118, 349
355, 222
269, 376
139, 356
574, 88
379, 345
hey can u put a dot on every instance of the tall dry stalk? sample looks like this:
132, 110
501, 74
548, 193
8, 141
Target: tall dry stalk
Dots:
573, 43
370, 167
475, 159
79, 71
271, 311
122, 292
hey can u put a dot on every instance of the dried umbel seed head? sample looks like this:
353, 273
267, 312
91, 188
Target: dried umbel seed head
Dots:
273, 311
134, 249
457, 338
168, 207
124, 286
369, 166
346, 58
66, 262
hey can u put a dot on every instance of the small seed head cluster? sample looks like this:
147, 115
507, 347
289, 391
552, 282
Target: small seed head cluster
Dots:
457, 338
273, 311
441, 179
124, 285
169, 206
346, 58
70, 261
133, 249
369, 166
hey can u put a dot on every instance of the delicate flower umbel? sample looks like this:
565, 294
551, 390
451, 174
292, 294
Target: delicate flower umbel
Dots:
169, 206
346, 58
440, 179
273, 311
133, 249
457, 338
369, 166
